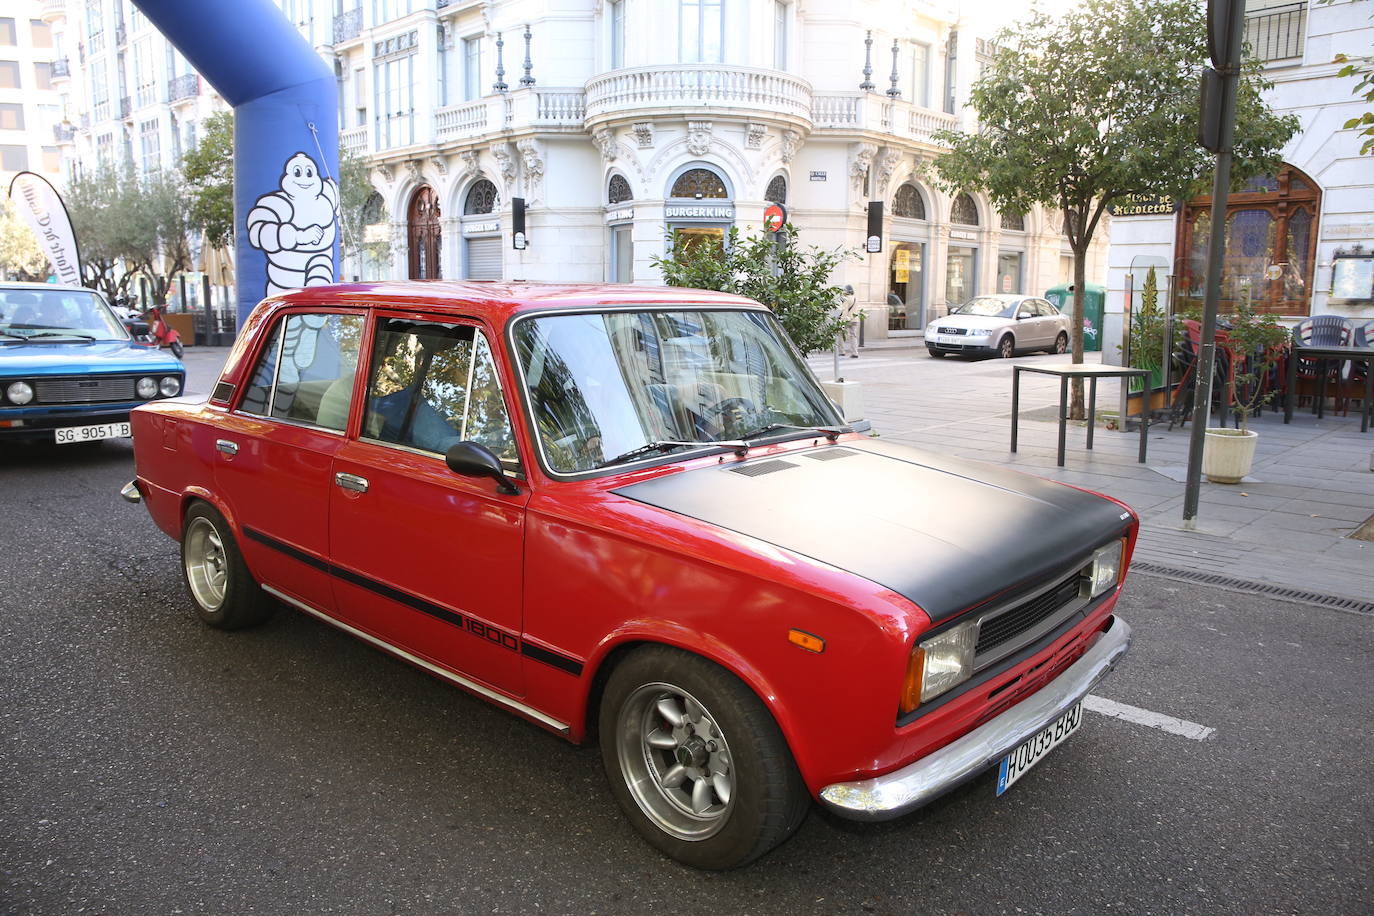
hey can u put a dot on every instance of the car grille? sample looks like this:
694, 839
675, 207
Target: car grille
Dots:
1018, 619
953, 330
85, 389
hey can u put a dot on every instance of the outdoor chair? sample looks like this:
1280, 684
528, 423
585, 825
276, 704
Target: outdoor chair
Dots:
1185, 362
1321, 331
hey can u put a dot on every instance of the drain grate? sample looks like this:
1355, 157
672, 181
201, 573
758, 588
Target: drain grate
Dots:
1353, 605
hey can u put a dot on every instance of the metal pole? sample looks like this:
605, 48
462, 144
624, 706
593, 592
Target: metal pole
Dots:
1221, 183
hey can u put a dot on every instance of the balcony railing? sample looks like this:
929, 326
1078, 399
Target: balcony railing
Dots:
63, 133
126, 109
61, 69
463, 120
354, 139
698, 86
53, 8
545, 108
348, 26
186, 86
870, 111
1277, 33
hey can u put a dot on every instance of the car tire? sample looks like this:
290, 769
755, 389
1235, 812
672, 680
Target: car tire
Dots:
1061, 343
224, 593
178, 349
696, 761
938, 354
1006, 347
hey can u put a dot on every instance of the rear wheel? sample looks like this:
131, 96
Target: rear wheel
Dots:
696, 761
1006, 347
222, 589
1061, 343
178, 350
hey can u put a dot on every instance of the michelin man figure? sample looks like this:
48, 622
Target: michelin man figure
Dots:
296, 226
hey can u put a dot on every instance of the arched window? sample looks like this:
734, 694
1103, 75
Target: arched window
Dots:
777, 190
374, 210
481, 197
907, 203
1016, 222
425, 234
699, 183
619, 190
964, 212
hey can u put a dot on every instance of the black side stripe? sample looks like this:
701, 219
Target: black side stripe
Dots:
471, 625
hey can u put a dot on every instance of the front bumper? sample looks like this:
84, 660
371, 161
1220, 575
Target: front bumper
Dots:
983, 346
40, 422
901, 791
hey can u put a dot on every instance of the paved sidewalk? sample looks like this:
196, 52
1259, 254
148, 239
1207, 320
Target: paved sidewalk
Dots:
1287, 525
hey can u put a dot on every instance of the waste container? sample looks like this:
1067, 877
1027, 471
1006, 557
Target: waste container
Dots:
1094, 303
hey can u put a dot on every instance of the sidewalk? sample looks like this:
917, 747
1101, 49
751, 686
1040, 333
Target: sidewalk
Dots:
1286, 526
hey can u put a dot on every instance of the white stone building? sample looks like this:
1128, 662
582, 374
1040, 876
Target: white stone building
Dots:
1287, 233
618, 123
30, 110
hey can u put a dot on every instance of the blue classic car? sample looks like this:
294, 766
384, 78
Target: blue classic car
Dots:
69, 371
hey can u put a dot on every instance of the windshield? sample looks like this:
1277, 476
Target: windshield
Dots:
56, 313
603, 385
988, 306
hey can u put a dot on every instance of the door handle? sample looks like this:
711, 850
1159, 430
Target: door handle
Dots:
229, 448
351, 482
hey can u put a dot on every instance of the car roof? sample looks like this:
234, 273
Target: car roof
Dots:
40, 287
498, 301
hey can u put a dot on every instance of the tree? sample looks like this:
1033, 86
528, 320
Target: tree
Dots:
99, 204
21, 258
1078, 112
158, 244
793, 282
355, 193
209, 173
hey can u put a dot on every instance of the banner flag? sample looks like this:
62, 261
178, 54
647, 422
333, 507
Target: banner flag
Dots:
41, 207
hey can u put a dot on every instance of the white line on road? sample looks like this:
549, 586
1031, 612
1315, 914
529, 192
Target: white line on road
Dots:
1145, 717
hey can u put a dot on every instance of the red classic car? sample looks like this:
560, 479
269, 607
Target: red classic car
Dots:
633, 513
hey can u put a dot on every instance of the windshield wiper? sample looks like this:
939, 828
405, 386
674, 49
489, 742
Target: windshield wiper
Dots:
830, 432
60, 334
13, 336
662, 445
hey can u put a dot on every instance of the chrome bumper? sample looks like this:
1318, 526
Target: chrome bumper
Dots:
896, 793
130, 492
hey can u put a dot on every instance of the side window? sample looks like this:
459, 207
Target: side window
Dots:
306, 370
432, 385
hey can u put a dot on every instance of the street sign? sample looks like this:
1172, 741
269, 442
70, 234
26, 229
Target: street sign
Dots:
774, 217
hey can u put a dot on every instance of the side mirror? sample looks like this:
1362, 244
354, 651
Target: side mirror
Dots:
471, 459
1021, 316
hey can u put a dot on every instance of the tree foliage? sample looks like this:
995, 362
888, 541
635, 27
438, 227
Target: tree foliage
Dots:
1362, 67
98, 203
355, 190
792, 281
21, 257
1080, 111
209, 173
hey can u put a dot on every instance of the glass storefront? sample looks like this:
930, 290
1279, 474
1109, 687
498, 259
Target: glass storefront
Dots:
1009, 272
961, 277
906, 287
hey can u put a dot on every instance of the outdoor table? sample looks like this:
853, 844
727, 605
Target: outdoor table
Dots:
1322, 354
1066, 371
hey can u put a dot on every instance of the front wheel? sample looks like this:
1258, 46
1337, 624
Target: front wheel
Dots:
1006, 347
938, 354
696, 761
177, 348
1061, 343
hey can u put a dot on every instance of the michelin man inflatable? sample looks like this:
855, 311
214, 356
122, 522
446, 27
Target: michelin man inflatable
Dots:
295, 227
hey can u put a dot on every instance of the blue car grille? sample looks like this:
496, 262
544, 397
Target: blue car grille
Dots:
85, 389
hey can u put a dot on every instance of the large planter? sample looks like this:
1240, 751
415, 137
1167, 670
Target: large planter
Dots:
1227, 454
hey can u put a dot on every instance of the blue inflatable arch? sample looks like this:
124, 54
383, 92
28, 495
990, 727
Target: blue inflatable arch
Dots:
286, 138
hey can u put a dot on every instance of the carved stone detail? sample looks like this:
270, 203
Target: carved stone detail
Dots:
605, 141
698, 137
534, 166
887, 165
387, 171
789, 144
505, 164
471, 166
859, 166
440, 164
754, 134
644, 133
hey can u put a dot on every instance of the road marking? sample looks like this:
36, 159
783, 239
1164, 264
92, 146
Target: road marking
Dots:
1151, 719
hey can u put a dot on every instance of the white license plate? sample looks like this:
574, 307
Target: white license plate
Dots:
67, 435
1015, 764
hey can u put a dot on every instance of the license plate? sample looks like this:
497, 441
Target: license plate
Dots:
67, 435
1015, 764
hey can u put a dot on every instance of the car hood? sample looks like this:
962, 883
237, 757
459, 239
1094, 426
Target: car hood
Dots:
970, 321
944, 532
82, 358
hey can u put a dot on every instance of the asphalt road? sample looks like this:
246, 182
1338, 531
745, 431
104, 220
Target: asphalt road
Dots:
151, 765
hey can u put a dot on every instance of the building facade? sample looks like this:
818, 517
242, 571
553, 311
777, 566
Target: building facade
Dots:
1294, 238
610, 126
30, 108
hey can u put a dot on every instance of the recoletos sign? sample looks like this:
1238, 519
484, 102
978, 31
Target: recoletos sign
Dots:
1142, 205
698, 211
41, 207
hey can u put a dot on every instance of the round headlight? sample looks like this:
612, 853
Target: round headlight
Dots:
170, 386
19, 393
147, 388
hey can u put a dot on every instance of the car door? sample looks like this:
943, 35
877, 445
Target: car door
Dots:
425, 559
1053, 322
274, 450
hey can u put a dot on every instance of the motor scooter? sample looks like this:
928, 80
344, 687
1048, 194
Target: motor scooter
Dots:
161, 334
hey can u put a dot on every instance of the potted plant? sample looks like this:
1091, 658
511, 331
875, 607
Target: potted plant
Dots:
1254, 343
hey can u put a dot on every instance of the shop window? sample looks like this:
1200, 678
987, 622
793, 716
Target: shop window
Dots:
699, 183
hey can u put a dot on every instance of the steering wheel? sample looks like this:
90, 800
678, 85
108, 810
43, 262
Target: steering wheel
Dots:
718, 409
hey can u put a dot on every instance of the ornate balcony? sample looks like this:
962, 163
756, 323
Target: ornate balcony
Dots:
126, 109
348, 26
61, 69
547, 109
868, 111
53, 9
63, 133
698, 89
354, 140
186, 86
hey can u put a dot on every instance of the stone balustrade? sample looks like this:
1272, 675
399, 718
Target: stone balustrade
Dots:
697, 88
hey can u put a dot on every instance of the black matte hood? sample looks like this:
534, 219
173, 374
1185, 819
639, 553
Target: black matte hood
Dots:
946, 533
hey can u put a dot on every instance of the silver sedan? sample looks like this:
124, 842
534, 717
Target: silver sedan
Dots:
999, 325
